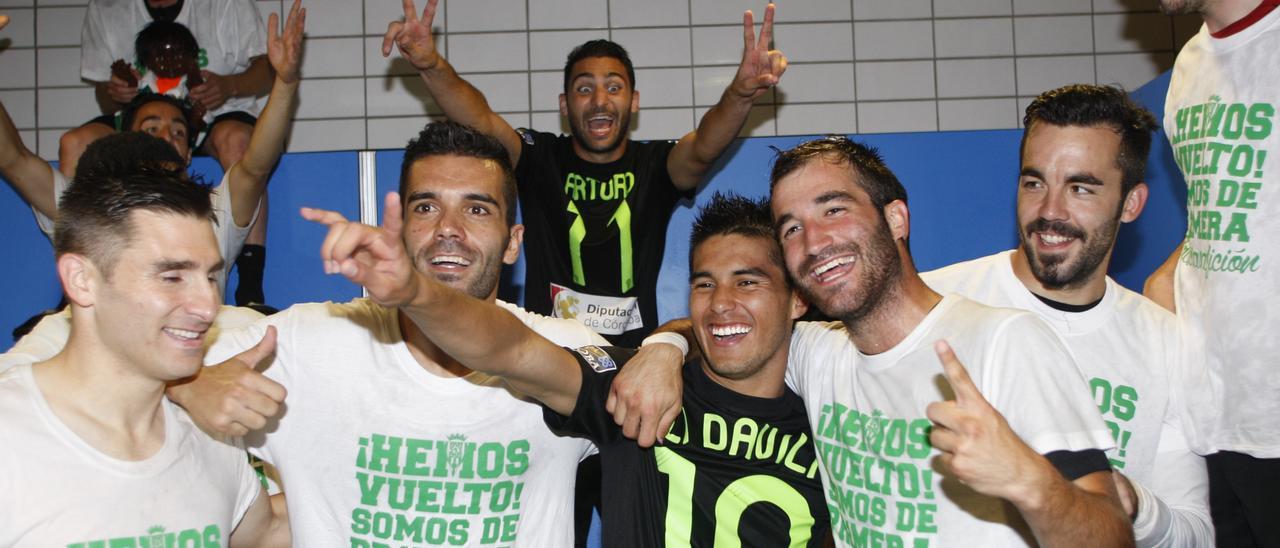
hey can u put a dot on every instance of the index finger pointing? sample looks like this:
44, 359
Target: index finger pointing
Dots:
748, 31
957, 376
322, 216
392, 213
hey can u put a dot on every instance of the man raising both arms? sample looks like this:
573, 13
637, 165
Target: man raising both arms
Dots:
738, 466
872, 382
1220, 117
596, 204
93, 453
1084, 153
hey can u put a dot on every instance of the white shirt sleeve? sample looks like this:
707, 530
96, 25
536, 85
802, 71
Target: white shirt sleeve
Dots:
95, 56
249, 32
1032, 379
1174, 510
44, 341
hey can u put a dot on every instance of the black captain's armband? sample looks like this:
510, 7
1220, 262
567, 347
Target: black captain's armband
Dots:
1074, 465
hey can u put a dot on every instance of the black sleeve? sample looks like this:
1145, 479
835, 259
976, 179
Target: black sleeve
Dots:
661, 152
532, 144
599, 366
1074, 465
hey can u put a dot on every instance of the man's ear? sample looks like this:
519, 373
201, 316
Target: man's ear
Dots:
898, 218
79, 278
635, 101
798, 305
564, 106
1134, 202
512, 252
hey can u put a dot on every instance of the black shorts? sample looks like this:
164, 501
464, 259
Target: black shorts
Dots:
111, 121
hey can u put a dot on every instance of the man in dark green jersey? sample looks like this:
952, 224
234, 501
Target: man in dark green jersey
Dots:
737, 466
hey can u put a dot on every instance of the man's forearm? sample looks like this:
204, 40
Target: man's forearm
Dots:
1066, 514
463, 103
720, 126
477, 333
248, 179
699, 149
254, 81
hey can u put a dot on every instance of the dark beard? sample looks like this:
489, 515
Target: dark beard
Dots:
1054, 272
880, 267
167, 14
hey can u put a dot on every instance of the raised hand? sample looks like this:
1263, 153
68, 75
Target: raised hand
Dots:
233, 398
413, 36
371, 256
977, 445
761, 67
284, 50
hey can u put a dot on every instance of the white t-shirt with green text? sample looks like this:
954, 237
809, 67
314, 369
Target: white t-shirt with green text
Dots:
1126, 346
1221, 117
374, 450
61, 491
871, 431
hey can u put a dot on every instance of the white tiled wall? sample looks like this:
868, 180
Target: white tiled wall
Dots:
864, 66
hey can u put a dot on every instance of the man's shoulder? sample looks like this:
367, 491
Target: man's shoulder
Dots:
533, 137
967, 268
1131, 304
562, 331
965, 318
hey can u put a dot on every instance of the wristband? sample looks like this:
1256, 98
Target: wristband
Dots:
673, 339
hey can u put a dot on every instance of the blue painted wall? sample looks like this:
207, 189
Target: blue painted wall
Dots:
960, 187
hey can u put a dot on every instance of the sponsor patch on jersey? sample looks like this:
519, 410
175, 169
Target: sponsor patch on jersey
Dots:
603, 314
599, 360
526, 136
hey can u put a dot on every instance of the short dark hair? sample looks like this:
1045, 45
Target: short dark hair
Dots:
454, 139
874, 177
161, 39
122, 153
599, 48
94, 212
1089, 105
130, 112
728, 214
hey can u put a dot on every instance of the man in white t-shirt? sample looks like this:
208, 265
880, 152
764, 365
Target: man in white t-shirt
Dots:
93, 452
1015, 459
1083, 157
1220, 117
385, 439
235, 198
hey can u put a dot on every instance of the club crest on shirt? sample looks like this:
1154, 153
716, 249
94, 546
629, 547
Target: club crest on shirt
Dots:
599, 360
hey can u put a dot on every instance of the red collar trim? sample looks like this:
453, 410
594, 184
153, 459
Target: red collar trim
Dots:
1253, 17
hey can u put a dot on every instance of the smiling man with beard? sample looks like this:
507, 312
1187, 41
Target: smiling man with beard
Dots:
1014, 457
1083, 157
386, 438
